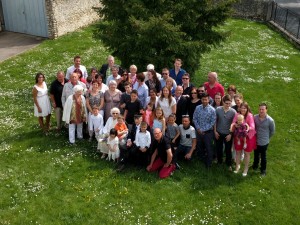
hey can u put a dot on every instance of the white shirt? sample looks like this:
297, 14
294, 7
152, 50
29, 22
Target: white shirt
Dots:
71, 69
143, 139
96, 122
164, 104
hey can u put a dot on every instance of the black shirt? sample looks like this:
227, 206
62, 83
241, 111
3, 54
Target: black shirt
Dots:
133, 108
162, 146
56, 90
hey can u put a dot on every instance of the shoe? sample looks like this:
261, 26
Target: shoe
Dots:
90, 139
177, 166
263, 173
244, 174
237, 169
121, 168
229, 168
103, 156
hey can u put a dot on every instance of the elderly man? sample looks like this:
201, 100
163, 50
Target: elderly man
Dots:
78, 68
265, 129
68, 87
161, 158
56, 90
106, 69
177, 72
114, 76
151, 67
204, 119
181, 102
165, 75
212, 86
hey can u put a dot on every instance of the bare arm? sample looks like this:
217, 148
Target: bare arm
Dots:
169, 158
34, 94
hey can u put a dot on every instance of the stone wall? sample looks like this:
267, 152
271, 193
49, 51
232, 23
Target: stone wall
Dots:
68, 15
251, 9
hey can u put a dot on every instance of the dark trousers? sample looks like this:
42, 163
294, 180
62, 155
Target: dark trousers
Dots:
134, 155
219, 146
204, 147
260, 153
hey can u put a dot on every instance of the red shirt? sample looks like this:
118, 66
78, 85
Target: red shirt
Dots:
215, 89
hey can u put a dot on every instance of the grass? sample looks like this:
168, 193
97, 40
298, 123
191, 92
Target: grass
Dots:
44, 180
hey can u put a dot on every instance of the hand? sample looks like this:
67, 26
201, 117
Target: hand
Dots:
199, 131
173, 141
188, 156
149, 167
228, 137
39, 109
54, 104
217, 135
97, 130
166, 165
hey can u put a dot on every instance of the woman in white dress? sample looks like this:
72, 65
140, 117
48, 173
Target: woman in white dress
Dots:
42, 107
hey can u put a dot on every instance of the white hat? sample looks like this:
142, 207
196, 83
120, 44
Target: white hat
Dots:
150, 67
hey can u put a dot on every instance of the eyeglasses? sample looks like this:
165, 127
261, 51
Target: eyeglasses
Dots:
185, 78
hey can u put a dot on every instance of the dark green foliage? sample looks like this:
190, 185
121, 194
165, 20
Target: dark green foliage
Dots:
148, 31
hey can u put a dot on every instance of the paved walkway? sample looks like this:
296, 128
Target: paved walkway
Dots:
12, 44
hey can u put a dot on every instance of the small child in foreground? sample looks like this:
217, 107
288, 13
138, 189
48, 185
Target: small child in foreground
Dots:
95, 123
113, 145
121, 129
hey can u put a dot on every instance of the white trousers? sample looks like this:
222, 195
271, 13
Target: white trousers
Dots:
72, 128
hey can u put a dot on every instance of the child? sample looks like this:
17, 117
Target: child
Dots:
172, 131
121, 129
143, 142
159, 120
113, 145
95, 123
125, 97
131, 108
147, 115
240, 129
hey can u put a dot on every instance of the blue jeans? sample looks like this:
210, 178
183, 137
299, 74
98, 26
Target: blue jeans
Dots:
204, 147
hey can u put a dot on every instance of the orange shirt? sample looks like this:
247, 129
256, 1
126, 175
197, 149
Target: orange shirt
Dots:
121, 127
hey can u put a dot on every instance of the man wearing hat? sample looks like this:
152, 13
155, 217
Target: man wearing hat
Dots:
129, 151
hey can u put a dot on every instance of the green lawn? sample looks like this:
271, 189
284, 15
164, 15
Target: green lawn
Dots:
44, 180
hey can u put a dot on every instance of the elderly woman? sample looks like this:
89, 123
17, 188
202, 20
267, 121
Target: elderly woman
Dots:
42, 107
75, 113
112, 99
110, 123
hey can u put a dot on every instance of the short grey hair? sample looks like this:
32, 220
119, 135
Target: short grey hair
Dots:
77, 88
112, 82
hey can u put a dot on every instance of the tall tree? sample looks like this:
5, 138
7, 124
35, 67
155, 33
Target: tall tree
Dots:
158, 31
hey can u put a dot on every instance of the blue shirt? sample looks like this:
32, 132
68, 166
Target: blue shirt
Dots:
177, 78
142, 92
204, 118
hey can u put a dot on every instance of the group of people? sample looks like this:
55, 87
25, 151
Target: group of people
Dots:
155, 120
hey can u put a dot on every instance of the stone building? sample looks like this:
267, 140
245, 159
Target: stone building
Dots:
47, 18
